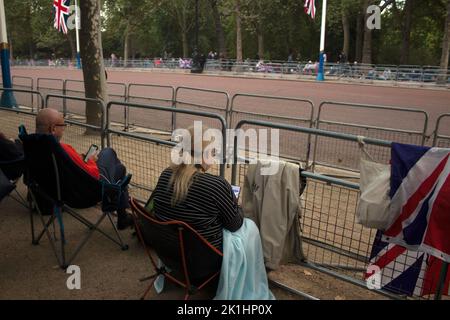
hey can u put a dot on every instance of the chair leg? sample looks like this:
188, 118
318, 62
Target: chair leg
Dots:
39, 237
91, 226
33, 240
122, 245
149, 277
148, 289
49, 236
86, 238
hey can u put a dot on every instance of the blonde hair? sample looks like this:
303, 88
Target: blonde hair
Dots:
183, 174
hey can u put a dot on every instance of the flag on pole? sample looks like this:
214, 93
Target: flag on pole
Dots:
61, 10
310, 8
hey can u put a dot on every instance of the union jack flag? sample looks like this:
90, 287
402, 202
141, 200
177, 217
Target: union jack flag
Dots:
420, 201
61, 9
310, 8
406, 272
411, 250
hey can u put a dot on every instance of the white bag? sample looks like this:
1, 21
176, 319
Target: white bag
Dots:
373, 206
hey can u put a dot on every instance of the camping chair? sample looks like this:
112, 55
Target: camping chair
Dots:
188, 259
58, 185
12, 171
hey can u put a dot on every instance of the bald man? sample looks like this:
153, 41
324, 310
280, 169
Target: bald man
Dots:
106, 166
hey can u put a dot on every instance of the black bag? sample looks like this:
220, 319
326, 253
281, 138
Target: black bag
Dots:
5, 186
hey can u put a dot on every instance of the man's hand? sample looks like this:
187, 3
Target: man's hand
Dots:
95, 157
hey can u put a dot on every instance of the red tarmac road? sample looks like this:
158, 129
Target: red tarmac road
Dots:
433, 101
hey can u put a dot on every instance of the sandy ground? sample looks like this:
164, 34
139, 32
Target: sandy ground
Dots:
328, 211
31, 272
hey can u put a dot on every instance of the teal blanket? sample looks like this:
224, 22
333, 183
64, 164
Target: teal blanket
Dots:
243, 274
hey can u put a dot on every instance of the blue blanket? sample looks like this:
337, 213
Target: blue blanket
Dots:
243, 274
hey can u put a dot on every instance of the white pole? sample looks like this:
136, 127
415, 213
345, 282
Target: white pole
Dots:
77, 27
321, 73
324, 22
3, 34
7, 96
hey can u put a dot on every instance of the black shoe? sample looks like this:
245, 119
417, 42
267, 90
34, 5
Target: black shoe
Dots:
124, 221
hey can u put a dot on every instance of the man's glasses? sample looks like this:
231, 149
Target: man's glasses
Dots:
61, 125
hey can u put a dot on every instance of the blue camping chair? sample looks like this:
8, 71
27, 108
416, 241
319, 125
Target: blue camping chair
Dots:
57, 185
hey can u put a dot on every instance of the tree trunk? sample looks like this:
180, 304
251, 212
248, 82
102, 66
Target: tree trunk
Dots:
238, 32
92, 59
359, 36
73, 46
446, 45
260, 43
185, 42
219, 29
126, 46
406, 32
367, 45
346, 27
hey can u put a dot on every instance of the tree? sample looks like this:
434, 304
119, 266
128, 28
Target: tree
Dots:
406, 31
92, 59
238, 31
219, 29
446, 44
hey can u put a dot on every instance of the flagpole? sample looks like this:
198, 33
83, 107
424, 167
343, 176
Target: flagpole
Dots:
321, 73
7, 99
77, 27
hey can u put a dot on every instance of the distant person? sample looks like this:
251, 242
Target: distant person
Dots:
342, 58
290, 58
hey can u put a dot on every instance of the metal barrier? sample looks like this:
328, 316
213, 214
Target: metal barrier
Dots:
29, 86
115, 90
20, 101
152, 94
119, 89
341, 155
286, 110
146, 154
333, 242
26, 86
209, 101
12, 118
442, 140
91, 133
50, 86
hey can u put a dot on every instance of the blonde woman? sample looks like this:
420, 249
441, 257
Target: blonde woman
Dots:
186, 192
207, 203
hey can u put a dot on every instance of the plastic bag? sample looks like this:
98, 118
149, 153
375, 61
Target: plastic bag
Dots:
373, 205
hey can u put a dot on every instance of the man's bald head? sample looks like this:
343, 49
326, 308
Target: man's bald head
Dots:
50, 121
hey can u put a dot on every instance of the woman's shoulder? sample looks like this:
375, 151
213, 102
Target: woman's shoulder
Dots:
212, 180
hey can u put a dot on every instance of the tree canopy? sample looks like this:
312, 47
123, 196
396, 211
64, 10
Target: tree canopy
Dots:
412, 31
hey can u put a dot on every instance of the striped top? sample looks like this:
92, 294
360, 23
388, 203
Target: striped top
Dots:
209, 207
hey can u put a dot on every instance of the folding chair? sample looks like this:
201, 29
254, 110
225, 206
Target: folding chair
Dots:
54, 179
189, 260
12, 171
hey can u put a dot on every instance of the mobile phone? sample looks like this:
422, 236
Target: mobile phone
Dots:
92, 150
237, 191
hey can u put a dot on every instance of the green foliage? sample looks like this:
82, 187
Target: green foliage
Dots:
157, 26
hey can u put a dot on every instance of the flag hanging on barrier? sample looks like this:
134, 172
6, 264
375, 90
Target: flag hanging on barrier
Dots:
405, 272
310, 8
61, 11
409, 254
420, 202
